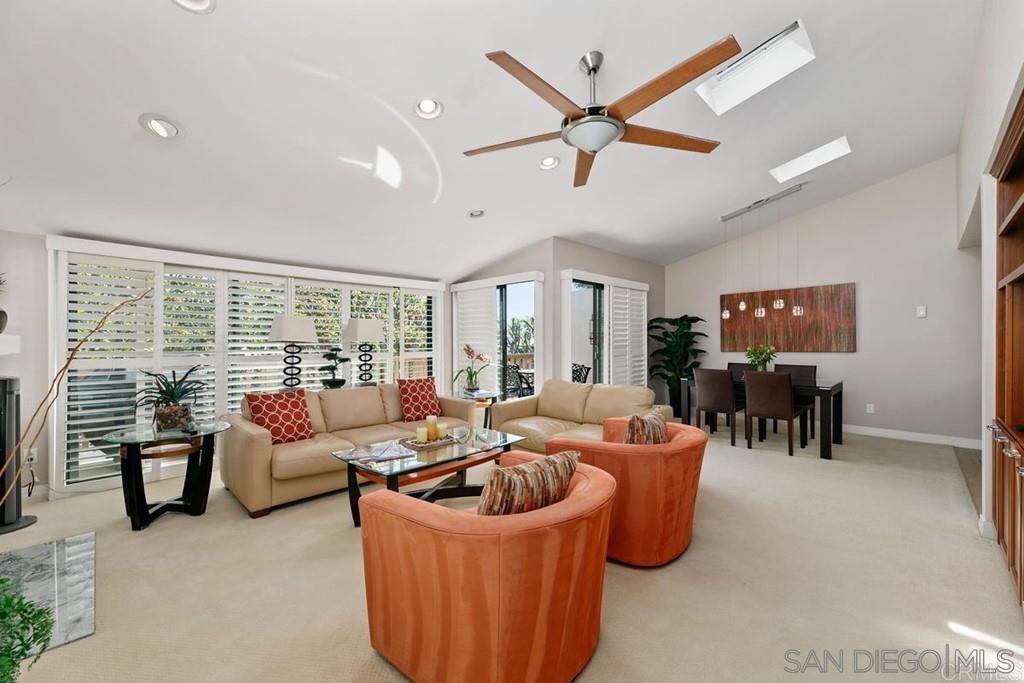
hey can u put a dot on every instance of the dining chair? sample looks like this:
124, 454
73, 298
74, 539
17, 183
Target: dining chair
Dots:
737, 370
525, 383
716, 394
513, 383
801, 374
770, 396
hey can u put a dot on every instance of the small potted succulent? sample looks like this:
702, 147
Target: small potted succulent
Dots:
760, 356
26, 629
472, 372
171, 397
334, 360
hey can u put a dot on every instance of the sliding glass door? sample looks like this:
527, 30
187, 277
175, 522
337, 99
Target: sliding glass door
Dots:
588, 338
517, 350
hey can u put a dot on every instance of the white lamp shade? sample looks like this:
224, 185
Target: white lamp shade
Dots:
364, 330
291, 328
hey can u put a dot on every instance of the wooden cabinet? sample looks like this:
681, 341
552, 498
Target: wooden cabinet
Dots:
1008, 428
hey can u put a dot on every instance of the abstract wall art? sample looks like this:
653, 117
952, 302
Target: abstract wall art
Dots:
802, 319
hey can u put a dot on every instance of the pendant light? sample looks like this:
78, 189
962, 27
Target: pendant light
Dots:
779, 303
742, 305
797, 310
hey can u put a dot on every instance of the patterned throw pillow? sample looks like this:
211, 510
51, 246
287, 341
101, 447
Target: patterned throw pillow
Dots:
284, 414
419, 398
647, 429
529, 486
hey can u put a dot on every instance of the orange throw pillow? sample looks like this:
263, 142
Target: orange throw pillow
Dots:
530, 486
284, 414
419, 398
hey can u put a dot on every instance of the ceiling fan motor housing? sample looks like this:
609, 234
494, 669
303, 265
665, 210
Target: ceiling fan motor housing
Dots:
593, 132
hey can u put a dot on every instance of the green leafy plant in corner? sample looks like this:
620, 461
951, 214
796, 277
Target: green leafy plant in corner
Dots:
677, 355
334, 360
25, 627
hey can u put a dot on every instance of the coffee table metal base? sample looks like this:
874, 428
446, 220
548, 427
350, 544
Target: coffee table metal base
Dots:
451, 487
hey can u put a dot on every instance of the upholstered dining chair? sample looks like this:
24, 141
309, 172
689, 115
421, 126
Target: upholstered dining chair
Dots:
716, 394
454, 596
737, 369
652, 516
801, 374
513, 381
770, 396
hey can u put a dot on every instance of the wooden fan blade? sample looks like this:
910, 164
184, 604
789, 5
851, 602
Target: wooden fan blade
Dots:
514, 143
538, 85
665, 138
583, 163
673, 79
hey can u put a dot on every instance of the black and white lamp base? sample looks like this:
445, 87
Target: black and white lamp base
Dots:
365, 366
292, 370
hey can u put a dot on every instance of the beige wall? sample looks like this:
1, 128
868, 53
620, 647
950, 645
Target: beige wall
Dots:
23, 258
894, 240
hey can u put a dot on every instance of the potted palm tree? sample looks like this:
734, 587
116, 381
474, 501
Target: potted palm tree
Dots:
171, 397
677, 355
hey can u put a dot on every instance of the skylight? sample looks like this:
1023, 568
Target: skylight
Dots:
830, 151
768, 63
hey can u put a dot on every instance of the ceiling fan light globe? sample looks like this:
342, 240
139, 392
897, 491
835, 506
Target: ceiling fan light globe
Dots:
591, 134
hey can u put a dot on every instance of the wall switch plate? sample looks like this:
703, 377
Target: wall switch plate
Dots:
870, 409
922, 311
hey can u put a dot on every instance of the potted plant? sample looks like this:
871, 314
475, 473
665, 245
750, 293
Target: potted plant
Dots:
760, 356
471, 371
335, 361
678, 354
169, 397
3, 313
24, 627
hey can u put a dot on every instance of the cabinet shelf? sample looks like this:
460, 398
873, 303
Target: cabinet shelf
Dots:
1014, 218
1014, 275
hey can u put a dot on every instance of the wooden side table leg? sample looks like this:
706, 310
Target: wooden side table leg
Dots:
139, 511
197, 489
353, 493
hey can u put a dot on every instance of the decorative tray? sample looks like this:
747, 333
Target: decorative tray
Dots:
411, 442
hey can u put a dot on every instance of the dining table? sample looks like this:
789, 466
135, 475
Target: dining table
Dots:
827, 392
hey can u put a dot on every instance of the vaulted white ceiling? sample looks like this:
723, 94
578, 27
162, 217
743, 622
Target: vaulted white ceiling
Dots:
284, 106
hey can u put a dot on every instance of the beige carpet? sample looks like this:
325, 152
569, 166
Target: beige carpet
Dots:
875, 549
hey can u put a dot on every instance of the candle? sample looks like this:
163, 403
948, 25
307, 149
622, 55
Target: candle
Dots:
442, 430
421, 433
431, 427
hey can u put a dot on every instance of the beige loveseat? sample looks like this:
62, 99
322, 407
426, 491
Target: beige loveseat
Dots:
573, 411
262, 476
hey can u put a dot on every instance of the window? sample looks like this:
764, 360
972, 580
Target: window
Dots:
627, 336
216, 319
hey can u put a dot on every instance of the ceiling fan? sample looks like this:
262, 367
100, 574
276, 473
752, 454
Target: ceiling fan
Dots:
592, 128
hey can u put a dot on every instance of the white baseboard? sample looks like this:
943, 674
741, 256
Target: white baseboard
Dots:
987, 528
914, 436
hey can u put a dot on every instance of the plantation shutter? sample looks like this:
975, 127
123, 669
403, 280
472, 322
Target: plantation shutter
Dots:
477, 315
190, 333
377, 304
322, 302
416, 335
627, 336
104, 377
253, 363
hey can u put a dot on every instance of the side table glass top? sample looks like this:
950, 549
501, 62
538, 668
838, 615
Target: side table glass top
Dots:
391, 457
147, 434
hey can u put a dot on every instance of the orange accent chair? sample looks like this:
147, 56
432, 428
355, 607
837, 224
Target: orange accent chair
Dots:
652, 517
454, 596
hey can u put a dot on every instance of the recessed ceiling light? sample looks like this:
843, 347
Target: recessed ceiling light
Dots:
197, 6
548, 163
159, 126
768, 63
476, 213
429, 109
831, 151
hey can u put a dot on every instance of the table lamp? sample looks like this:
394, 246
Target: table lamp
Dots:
365, 332
293, 331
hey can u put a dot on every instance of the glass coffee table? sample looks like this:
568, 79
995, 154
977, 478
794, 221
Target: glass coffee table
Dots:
393, 465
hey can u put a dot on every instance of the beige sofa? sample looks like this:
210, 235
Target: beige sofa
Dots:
262, 476
573, 411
